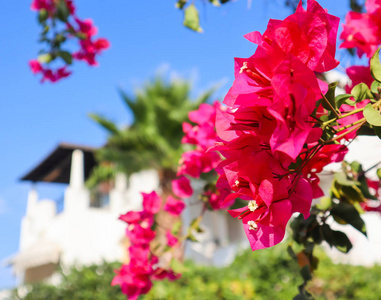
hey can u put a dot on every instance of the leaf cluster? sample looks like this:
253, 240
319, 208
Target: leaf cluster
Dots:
52, 35
153, 140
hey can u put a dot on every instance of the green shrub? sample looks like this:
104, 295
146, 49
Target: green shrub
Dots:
263, 274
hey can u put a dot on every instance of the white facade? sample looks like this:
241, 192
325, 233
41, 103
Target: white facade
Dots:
85, 235
80, 234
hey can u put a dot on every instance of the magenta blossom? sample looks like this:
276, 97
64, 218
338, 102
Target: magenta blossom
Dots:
181, 187
174, 206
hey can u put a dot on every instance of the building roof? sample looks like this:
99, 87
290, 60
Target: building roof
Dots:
56, 166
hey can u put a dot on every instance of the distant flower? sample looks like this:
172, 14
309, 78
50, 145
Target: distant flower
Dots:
181, 187
173, 206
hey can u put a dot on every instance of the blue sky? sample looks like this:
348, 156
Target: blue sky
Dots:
146, 36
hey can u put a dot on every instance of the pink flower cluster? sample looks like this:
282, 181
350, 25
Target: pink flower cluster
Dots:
363, 30
47, 73
270, 141
82, 30
135, 278
199, 161
357, 74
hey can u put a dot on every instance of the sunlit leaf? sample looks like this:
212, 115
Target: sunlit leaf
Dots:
372, 115
191, 18
343, 98
45, 58
361, 92
375, 66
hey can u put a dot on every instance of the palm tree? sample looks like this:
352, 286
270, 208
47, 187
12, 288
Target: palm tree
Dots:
153, 140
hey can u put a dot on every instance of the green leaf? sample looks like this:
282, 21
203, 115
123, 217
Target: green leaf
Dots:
341, 99
343, 179
327, 233
374, 87
306, 273
372, 115
291, 252
181, 3
176, 228
66, 56
45, 58
341, 241
106, 124
215, 2
43, 15
365, 189
379, 173
330, 96
46, 30
377, 131
361, 92
177, 266
62, 11
325, 203
60, 38
375, 66
353, 193
337, 239
192, 238
350, 215
191, 18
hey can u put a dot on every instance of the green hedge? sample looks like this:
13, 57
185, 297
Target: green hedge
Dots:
264, 274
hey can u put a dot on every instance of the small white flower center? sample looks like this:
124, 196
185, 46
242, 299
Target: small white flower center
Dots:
236, 183
252, 225
244, 67
252, 205
144, 224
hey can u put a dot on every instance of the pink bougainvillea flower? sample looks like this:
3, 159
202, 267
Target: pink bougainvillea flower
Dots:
363, 30
174, 206
265, 218
296, 91
133, 285
181, 187
86, 27
139, 235
82, 30
171, 239
161, 274
308, 35
327, 154
35, 66
151, 202
131, 217
101, 44
358, 74
144, 218
351, 119
204, 114
41, 4
195, 162
216, 199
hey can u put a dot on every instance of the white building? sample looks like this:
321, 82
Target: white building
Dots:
86, 229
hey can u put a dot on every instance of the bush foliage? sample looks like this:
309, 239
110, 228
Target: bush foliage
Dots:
266, 274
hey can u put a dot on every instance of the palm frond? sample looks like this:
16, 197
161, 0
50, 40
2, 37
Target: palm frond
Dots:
106, 124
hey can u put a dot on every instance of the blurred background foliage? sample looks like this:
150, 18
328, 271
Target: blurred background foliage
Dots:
266, 274
153, 140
